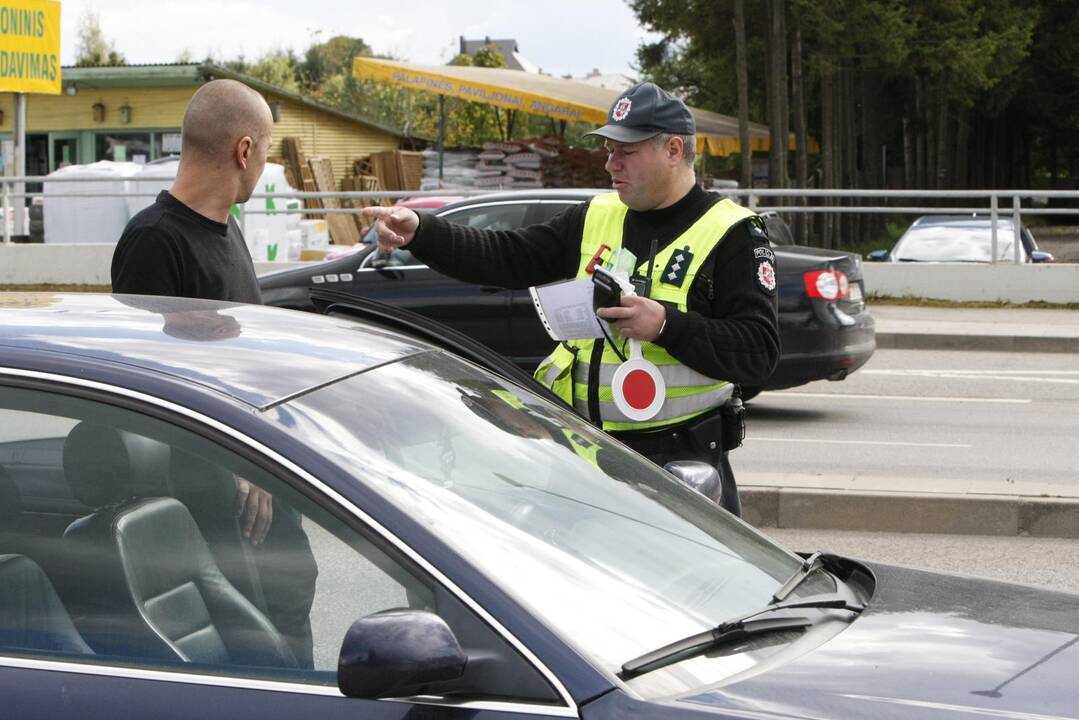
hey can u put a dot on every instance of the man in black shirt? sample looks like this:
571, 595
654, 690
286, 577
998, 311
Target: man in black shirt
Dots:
710, 317
188, 244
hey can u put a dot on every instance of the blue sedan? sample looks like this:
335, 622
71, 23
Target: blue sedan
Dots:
226, 511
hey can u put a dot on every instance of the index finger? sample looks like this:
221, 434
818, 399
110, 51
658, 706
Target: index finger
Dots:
377, 212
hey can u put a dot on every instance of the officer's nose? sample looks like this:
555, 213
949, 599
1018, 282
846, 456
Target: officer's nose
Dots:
611, 165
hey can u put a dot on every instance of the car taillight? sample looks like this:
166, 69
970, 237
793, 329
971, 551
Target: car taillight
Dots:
826, 284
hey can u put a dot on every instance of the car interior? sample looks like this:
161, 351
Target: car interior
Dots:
120, 544
117, 544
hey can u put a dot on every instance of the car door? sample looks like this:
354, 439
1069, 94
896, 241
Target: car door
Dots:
127, 611
480, 311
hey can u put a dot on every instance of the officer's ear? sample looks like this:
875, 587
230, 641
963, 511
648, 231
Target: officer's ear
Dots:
675, 148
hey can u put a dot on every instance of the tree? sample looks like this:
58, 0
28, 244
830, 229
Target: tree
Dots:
278, 68
92, 47
745, 154
332, 58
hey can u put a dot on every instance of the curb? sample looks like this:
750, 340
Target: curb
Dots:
993, 343
942, 513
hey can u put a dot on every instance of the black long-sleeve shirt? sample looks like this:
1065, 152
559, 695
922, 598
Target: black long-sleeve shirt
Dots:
730, 330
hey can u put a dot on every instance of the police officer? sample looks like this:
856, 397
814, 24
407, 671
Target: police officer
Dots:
706, 315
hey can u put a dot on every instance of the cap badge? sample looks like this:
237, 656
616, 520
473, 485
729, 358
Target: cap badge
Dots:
621, 109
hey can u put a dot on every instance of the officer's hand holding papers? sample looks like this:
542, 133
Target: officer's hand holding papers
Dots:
394, 226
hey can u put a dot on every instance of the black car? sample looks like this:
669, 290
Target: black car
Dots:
826, 332
470, 562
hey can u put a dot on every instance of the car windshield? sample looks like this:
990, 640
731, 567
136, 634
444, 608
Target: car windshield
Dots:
954, 243
610, 551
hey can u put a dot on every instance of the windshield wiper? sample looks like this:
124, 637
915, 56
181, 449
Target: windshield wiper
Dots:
751, 623
810, 565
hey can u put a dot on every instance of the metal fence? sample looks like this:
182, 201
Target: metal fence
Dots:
999, 205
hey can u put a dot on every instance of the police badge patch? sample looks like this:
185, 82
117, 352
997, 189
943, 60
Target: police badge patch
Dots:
677, 267
766, 269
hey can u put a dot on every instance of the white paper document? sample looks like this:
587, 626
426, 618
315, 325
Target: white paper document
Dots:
565, 309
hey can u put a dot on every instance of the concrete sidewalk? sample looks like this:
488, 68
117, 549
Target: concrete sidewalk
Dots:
942, 505
992, 329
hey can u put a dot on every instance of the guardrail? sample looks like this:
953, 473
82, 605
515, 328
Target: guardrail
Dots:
1011, 210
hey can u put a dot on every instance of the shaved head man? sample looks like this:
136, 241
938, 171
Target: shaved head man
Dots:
188, 244
226, 134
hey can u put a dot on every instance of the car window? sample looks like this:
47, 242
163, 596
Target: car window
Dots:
548, 210
531, 495
502, 216
953, 243
398, 257
778, 231
157, 560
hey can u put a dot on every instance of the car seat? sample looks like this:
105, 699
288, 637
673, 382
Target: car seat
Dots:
146, 583
32, 617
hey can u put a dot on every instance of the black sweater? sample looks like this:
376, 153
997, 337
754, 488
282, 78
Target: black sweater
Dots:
730, 330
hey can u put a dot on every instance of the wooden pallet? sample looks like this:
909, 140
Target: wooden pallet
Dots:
343, 228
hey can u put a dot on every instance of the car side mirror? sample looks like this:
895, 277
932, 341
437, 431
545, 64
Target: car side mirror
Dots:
399, 653
1040, 256
877, 256
699, 476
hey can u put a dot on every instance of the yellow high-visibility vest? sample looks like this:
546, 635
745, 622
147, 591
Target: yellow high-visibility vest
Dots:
689, 393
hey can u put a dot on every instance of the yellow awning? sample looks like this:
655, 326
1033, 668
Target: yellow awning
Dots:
553, 97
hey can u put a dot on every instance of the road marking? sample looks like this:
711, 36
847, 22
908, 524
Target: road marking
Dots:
875, 371
859, 442
919, 398
1006, 375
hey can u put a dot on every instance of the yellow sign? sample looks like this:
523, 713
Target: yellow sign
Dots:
492, 94
30, 46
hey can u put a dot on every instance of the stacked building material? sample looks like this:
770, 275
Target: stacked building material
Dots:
458, 170
532, 163
296, 166
343, 229
395, 169
575, 168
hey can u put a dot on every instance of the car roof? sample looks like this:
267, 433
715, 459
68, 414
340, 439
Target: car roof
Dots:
257, 355
574, 194
959, 221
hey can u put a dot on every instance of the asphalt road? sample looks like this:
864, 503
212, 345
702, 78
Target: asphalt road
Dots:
1045, 562
918, 414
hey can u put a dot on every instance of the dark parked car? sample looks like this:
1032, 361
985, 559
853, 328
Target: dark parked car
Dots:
472, 562
961, 238
826, 331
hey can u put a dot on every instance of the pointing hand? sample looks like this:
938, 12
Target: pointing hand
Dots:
394, 226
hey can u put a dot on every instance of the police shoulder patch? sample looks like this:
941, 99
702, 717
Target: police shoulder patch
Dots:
766, 274
764, 253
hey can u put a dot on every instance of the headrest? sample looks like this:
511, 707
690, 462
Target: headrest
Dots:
10, 502
103, 464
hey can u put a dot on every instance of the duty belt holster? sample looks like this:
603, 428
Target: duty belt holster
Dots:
733, 413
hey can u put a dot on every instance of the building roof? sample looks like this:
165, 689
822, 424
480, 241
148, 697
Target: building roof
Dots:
184, 74
511, 54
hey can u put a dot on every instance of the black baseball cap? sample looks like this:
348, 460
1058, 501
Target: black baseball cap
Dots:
644, 111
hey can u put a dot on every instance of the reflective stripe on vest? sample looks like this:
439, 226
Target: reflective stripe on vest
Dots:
689, 393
